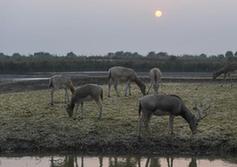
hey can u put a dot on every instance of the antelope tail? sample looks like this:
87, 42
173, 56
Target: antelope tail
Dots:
155, 77
71, 87
101, 94
109, 74
50, 83
139, 109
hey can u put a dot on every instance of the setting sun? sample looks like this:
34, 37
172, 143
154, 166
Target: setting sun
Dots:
158, 13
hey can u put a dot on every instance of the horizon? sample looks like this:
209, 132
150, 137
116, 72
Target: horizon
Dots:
105, 54
102, 55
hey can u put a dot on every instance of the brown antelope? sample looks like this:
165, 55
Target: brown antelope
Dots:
226, 70
155, 77
58, 82
171, 105
122, 74
84, 93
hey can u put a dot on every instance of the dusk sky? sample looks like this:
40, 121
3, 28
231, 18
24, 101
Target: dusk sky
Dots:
102, 26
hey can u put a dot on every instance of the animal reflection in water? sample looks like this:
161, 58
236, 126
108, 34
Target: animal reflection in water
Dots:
81, 161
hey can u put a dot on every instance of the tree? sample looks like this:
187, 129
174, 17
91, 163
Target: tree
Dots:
229, 54
118, 54
42, 55
203, 55
236, 54
151, 54
162, 54
16, 56
71, 54
172, 58
220, 56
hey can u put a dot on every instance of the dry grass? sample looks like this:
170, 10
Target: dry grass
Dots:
28, 117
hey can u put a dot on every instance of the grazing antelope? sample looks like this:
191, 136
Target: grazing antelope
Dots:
60, 81
128, 75
172, 105
86, 92
226, 70
155, 77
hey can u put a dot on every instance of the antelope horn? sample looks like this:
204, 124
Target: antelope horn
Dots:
202, 116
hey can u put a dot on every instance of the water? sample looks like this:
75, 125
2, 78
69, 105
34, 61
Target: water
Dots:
114, 161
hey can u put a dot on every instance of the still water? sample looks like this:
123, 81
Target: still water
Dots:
114, 161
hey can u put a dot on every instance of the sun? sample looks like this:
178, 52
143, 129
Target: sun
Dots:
158, 13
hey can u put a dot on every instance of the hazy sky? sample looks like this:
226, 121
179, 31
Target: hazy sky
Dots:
101, 26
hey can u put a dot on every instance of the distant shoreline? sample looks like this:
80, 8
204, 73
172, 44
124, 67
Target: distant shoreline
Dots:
39, 81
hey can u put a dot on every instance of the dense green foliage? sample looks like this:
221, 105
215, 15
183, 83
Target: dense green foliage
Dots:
46, 62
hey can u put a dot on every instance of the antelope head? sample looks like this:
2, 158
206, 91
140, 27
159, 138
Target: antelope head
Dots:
201, 111
143, 89
214, 76
69, 109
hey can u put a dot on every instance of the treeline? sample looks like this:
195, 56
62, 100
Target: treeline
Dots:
46, 62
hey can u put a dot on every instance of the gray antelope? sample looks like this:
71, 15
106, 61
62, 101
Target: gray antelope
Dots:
226, 70
155, 79
171, 105
88, 92
60, 81
122, 74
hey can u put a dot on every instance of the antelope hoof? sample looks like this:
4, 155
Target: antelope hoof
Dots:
171, 134
80, 118
139, 138
99, 118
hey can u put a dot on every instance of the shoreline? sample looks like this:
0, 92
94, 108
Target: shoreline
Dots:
20, 85
119, 148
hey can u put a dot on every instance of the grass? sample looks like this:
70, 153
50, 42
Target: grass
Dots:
29, 123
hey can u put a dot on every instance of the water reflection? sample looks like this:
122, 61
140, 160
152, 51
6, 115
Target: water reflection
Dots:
112, 161
80, 161
193, 163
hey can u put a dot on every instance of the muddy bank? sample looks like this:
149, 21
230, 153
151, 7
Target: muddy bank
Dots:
29, 124
165, 145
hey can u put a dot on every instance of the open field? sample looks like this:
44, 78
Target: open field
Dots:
29, 123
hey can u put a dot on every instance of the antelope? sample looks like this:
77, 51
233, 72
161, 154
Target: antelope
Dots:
123, 74
226, 70
60, 81
155, 77
88, 92
171, 105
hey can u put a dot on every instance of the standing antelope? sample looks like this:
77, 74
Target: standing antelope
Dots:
60, 81
128, 75
155, 77
86, 92
171, 105
226, 70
